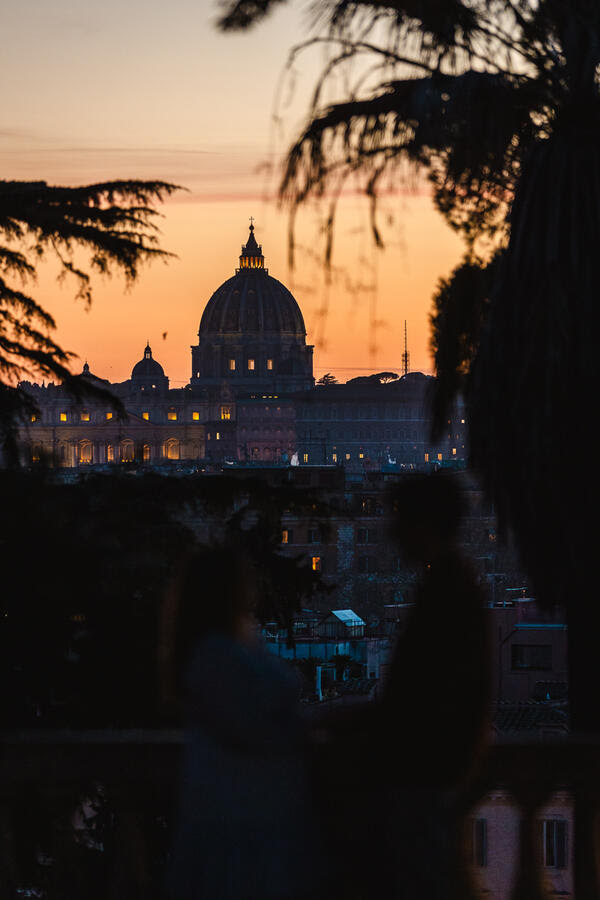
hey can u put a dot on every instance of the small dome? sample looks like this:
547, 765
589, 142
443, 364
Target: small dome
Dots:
252, 302
147, 367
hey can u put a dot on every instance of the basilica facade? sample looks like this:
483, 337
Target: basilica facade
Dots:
251, 397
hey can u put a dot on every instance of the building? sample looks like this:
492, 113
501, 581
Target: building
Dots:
251, 398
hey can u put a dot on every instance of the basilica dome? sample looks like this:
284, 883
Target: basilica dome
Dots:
252, 301
252, 333
147, 367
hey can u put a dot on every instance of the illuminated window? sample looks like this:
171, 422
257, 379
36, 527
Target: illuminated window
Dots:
270, 365
440, 457
462, 421
427, 457
172, 416
108, 415
146, 452
305, 457
127, 451
145, 415
63, 417
251, 365
454, 451
196, 416
85, 417
110, 453
34, 418
218, 436
225, 412
347, 456
361, 455
316, 563
172, 449
287, 536
334, 457
232, 365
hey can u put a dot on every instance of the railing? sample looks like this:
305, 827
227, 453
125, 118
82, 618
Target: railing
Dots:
140, 770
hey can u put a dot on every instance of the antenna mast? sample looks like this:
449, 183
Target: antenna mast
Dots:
406, 354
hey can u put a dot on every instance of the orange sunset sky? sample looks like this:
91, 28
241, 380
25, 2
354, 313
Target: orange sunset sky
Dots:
151, 90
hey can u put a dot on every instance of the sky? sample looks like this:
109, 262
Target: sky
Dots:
150, 90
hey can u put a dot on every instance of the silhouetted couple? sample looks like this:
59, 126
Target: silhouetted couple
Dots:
355, 806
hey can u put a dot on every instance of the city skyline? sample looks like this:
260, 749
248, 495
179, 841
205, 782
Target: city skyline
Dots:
94, 105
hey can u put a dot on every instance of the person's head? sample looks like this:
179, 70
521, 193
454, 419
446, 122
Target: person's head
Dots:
425, 512
213, 592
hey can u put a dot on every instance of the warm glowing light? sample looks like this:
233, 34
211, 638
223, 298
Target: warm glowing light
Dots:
285, 536
454, 451
347, 456
270, 365
196, 416
427, 457
232, 365
226, 412
305, 457
34, 418
146, 452
172, 416
172, 449
440, 457
108, 415
63, 417
361, 455
110, 453
85, 417
316, 564
251, 365
334, 457
218, 436
145, 415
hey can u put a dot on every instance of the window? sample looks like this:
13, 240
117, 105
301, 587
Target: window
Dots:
287, 536
316, 564
365, 565
146, 452
362, 535
34, 418
427, 457
270, 365
251, 365
84, 417
479, 843
361, 455
554, 843
108, 416
347, 456
232, 365
146, 415
195, 417
63, 417
454, 451
440, 457
110, 453
313, 536
172, 416
226, 413
334, 457
218, 436
305, 457
531, 656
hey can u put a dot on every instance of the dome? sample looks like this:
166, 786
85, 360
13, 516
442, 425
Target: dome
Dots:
147, 367
252, 301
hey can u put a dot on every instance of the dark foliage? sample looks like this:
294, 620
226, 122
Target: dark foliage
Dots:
113, 224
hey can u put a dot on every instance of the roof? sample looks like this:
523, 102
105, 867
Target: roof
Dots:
347, 616
147, 367
530, 716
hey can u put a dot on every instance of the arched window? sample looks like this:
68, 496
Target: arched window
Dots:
110, 453
172, 449
127, 453
146, 452
86, 453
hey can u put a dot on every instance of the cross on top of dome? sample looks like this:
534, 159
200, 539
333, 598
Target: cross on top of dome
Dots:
252, 255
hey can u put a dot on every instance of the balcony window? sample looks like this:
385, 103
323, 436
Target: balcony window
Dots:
172, 416
195, 417
251, 365
232, 365
146, 452
226, 412
62, 416
305, 457
84, 417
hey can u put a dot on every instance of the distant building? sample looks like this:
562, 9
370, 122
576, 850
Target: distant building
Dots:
251, 398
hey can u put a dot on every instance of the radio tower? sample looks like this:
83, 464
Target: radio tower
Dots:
406, 354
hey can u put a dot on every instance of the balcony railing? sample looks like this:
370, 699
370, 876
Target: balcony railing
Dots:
140, 771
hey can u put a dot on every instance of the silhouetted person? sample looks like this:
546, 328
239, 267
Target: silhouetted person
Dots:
244, 819
404, 756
